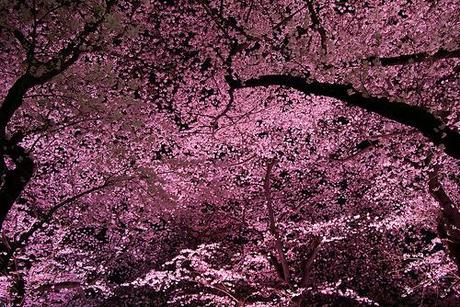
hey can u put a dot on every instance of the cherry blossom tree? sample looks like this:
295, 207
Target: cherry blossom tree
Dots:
229, 153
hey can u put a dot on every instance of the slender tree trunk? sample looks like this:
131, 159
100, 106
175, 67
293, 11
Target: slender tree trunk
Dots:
310, 257
272, 223
449, 219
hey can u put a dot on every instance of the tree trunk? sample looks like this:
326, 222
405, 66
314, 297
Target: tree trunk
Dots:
272, 223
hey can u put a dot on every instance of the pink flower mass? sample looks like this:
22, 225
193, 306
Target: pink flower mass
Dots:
229, 153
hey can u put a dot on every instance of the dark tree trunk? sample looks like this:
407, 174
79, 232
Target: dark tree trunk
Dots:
13, 181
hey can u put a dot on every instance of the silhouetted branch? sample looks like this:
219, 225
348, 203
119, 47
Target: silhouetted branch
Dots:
316, 25
414, 58
401, 112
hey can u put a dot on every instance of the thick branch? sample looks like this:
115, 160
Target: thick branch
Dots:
413, 116
64, 59
415, 57
13, 100
14, 181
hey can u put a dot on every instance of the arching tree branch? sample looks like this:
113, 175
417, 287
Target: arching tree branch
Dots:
414, 116
411, 58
